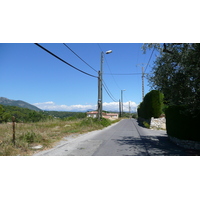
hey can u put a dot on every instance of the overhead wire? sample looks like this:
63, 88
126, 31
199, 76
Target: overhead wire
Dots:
149, 59
112, 74
108, 92
79, 57
124, 74
64, 61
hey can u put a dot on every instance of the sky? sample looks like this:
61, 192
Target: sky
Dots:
33, 75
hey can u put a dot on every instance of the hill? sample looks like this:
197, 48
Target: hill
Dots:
8, 102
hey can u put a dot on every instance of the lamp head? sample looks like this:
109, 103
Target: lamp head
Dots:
110, 51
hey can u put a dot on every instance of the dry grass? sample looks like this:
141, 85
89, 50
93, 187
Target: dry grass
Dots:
45, 133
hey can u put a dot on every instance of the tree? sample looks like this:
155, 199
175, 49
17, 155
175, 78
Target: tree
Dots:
176, 73
2, 110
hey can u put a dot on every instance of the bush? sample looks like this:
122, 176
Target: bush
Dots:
105, 122
152, 105
70, 118
181, 124
30, 137
146, 125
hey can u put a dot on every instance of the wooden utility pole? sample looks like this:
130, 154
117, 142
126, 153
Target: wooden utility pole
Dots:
142, 83
99, 96
142, 79
120, 112
101, 84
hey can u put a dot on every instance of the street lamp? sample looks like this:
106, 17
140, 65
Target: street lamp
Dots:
100, 83
122, 100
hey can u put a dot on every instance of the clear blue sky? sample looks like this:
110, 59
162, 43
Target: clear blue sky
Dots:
31, 74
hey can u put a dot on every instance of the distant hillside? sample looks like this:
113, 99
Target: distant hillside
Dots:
8, 102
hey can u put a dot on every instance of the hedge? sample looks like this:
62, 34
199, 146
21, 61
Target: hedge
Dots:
182, 125
152, 105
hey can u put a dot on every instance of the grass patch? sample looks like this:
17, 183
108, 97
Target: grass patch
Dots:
45, 133
146, 125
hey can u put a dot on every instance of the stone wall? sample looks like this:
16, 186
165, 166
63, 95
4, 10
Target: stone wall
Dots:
158, 123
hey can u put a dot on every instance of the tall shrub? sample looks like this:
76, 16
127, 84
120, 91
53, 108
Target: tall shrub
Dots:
152, 105
181, 124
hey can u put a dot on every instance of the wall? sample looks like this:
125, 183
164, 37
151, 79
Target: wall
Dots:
158, 123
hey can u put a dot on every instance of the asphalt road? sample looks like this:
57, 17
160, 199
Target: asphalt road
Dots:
125, 138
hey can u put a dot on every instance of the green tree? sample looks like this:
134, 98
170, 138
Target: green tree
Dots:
176, 73
6, 117
2, 110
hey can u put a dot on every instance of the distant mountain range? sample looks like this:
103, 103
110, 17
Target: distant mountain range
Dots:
8, 102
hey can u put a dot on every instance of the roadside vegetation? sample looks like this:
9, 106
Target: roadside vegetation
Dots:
45, 133
175, 74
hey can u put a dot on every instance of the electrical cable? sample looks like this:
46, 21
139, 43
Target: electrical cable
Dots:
64, 61
124, 74
149, 59
79, 57
109, 90
112, 74
108, 93
99, 47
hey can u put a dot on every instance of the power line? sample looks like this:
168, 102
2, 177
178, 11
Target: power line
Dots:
112, 74
79, 57
64, 60
109, 93
149, 59
124, 74
99, 47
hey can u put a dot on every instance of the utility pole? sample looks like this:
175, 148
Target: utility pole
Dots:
100, 85
120, 114
99, 95
101, 82
129, 108
142, 80
122, 102
142, 83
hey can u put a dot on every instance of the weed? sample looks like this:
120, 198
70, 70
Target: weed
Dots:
147, 125
31, 137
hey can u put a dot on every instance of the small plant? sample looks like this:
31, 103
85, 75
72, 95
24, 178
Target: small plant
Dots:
105, 122
146, 125
30, 137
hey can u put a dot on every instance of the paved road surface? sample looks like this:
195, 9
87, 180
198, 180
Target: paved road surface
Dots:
125, 138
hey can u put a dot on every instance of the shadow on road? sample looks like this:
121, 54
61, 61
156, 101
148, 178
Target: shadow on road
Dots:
156, 146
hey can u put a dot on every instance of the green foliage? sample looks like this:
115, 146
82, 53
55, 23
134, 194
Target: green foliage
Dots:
181, 124
64, 115
152, 105
105, 122
27, 115
21, 114
30, 137
91, 121
176, 73
147, 125
69, 118
2, 111
134, 115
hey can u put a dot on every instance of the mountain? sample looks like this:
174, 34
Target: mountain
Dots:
8, 102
